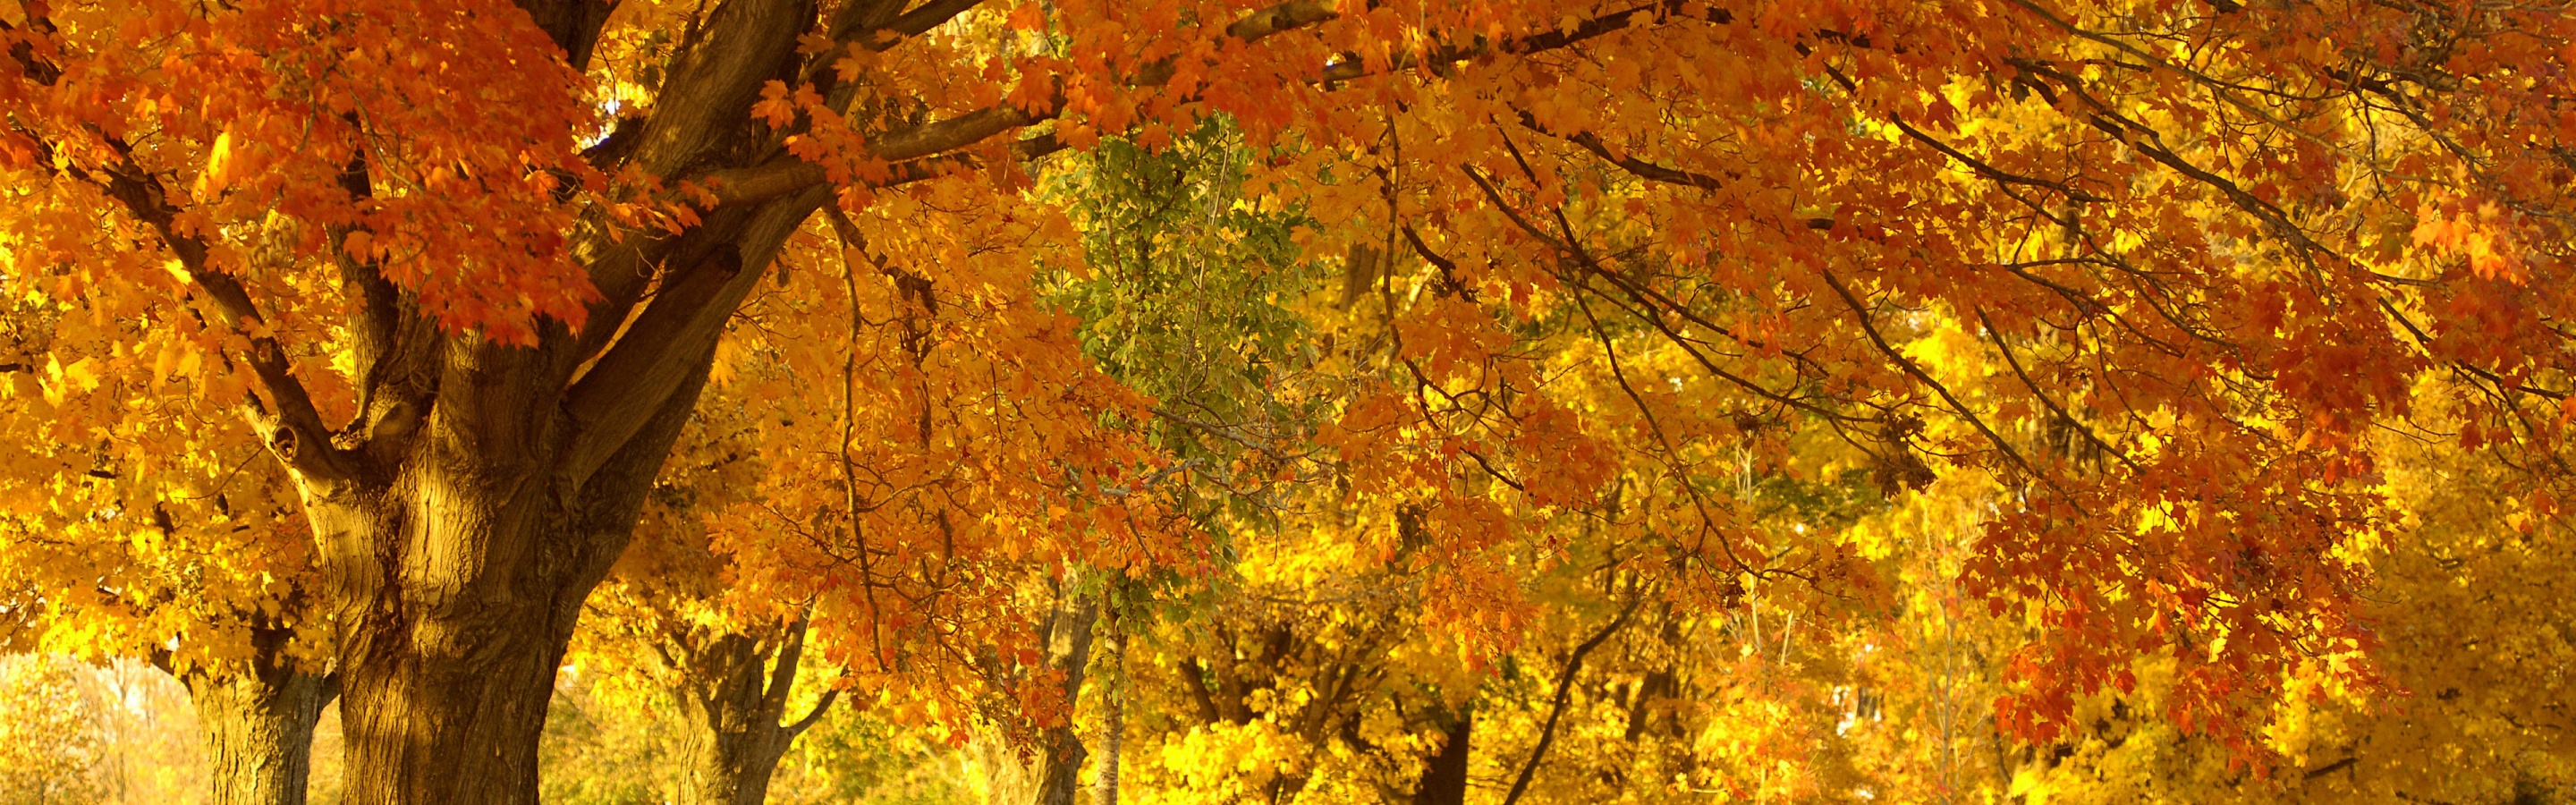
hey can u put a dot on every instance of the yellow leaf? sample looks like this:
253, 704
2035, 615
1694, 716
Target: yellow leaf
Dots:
81, 374
218, 162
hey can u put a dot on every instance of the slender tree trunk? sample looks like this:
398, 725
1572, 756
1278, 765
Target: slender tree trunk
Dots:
737, 696
259, 733
1068, 651
1113, 706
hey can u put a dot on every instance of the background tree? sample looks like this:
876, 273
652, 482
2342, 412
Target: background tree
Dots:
156, 538
2460, 601
54, 749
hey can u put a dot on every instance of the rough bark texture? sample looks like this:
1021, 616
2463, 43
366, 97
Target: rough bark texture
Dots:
734, 693
259, 733
460, 586
486, 488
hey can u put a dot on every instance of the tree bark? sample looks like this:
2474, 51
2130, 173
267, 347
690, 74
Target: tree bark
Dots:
737, 697
1113, 711
481, 489
460, 587
259, 733
461, 548
1068, 651
1444, 778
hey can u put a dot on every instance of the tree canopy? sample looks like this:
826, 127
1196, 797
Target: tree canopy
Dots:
1359, 383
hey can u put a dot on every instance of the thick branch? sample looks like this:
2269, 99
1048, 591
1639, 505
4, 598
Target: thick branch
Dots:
290, 424
785, 175
930, 15
641, 369
572, 24
743, 45
782, 676
394, 345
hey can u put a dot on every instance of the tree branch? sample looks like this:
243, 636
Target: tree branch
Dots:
1282, 17
1997, 336
572, 24
786, 174
1869, 327
637, 372
1556, 709
289, 423
1585, 30
743, 45
782, 676
930, 15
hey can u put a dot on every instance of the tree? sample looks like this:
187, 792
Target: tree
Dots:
977, 495
2193, 251
2460, 595
115, 545
53, 745
437, 562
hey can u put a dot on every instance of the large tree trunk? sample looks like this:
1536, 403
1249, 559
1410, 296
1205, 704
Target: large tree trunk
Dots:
737, 696
484, 488
259, 732
460, 590
448, 712
460, 552
496, 488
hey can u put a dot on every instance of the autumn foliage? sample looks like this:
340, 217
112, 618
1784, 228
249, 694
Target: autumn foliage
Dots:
1366, 401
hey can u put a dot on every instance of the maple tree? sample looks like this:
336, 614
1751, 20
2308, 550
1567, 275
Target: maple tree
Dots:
2464, 656
976, 456
194, 560
463, 271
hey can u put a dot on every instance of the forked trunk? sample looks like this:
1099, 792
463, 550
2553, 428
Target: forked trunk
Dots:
730, 766
485, 487
460, 576
259, 733
736, 696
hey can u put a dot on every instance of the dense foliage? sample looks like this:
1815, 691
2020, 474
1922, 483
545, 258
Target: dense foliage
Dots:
1213, 401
